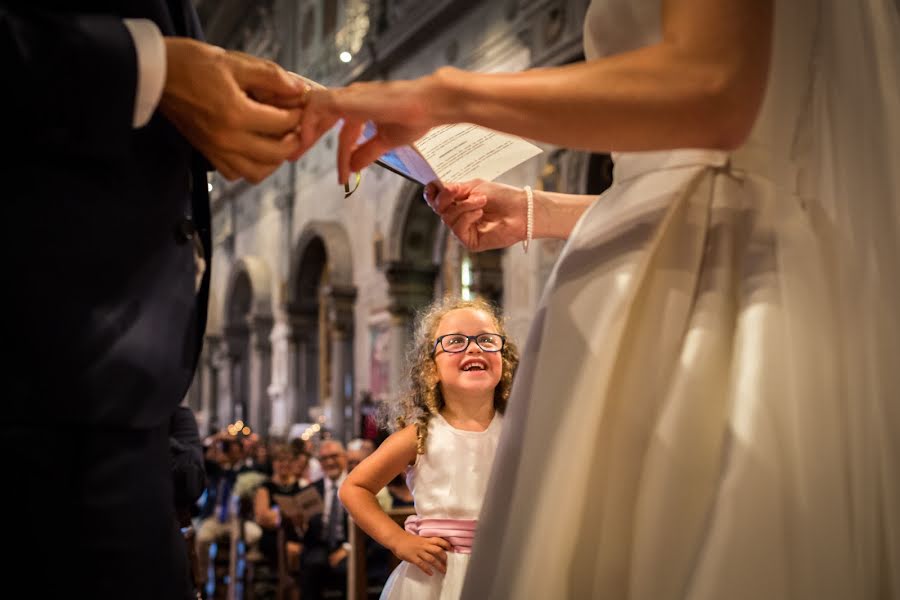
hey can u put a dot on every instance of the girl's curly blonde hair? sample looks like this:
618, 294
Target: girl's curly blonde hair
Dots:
423, 399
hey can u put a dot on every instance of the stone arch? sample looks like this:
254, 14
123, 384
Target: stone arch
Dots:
413, 252
331, 240
420, 247
320, 303
414, 229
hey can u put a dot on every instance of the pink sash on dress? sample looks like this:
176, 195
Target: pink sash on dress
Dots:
459, 532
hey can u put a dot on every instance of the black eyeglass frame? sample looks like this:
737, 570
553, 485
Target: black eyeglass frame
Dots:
469, 339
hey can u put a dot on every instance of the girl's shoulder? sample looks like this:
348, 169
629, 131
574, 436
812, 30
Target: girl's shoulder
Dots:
403, 442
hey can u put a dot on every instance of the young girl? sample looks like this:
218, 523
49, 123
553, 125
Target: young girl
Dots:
460, 378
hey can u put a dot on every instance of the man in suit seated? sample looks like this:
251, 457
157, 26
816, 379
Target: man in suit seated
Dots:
215, 516
323, 562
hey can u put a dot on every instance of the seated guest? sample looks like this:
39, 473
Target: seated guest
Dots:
223, 466
257, 458
300, 464
399, 491
272, 506
189, 480
323, 562
312, 471
357, 451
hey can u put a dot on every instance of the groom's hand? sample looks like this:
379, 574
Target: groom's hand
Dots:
240, 111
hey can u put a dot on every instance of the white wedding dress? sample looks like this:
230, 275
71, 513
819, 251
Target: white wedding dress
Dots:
447, 482
708, 405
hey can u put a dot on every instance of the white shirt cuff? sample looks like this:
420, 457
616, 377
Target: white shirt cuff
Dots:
151, 60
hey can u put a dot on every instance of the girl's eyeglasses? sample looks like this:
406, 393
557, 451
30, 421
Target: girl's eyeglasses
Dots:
457, 342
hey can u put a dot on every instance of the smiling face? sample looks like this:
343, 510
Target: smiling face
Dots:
333, 458
282, 464
472, 371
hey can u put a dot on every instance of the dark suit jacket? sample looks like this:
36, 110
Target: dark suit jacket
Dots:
104, 322
188, 473
316, 550
315, 532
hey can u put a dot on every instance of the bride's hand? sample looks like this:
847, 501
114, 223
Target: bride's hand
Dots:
483, 215
398, 109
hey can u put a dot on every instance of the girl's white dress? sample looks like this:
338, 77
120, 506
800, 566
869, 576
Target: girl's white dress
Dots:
447, 482
708, 404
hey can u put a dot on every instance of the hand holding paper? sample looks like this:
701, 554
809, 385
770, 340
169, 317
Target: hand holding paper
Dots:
481, 214
388, 123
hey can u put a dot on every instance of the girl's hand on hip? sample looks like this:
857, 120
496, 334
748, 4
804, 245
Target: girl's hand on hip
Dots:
426, 553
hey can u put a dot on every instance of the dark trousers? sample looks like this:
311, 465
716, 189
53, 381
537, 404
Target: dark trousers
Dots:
317, 576
93, 512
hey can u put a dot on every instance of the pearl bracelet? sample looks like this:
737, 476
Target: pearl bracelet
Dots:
529, 220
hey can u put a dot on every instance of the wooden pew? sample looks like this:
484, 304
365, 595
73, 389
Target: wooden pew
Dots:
357, 581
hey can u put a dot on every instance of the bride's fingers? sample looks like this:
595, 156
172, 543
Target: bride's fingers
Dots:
430, 193
451, 214
451, 194
368, 152
347, 141
465, 229
309, 125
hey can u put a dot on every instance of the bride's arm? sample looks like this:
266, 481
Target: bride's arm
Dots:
700, 86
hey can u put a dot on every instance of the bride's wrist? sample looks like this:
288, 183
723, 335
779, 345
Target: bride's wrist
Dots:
445, 95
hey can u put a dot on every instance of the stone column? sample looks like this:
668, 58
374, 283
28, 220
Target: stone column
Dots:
410, 288
209, 383
339, 302
278, 390
259, 363
487, 275
236, 345
222, 411
302, 367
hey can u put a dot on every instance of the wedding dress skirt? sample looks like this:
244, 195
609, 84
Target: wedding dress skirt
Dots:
708, 404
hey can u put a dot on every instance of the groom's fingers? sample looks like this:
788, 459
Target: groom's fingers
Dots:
263, 76
223, 167
267, 119
249, 169
263, 97
263, 148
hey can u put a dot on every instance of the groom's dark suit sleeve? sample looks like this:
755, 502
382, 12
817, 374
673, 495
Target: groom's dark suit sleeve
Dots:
70, 79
